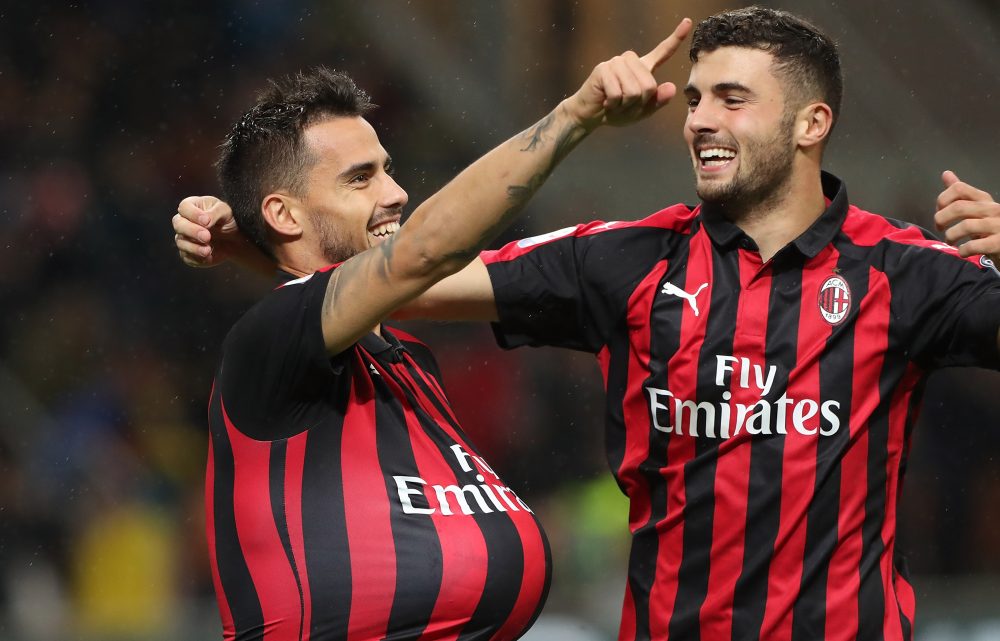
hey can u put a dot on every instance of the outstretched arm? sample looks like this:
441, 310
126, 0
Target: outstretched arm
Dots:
969, 219
447, 231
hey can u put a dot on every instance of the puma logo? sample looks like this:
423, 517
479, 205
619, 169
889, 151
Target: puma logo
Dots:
673, 290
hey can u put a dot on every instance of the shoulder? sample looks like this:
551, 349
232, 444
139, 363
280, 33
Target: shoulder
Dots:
899, 237
677, 218
287, 300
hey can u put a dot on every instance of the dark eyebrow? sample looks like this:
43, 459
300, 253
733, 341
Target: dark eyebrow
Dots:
358, 168
722, 87
731, 86
364, 167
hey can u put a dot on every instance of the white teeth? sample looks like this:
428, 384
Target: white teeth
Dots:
716, 152
384, 229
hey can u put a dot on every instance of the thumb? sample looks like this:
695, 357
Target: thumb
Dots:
221, 215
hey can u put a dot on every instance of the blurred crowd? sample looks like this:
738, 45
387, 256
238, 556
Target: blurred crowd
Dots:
109, 114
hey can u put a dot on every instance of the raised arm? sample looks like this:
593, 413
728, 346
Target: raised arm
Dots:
447, 231
969, 219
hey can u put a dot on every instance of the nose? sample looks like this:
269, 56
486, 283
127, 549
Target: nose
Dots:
394, 196
702, 118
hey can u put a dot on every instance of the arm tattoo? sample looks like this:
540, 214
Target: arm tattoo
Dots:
567, 139
537, 134
519, 195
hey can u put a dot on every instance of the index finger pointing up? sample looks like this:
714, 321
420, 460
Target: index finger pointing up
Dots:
663, 51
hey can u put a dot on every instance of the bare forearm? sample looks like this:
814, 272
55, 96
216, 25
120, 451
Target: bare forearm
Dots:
465, 296
448, 230
452, 226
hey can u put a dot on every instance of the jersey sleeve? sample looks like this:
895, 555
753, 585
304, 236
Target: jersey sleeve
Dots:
275, 364
542, 292
954, 305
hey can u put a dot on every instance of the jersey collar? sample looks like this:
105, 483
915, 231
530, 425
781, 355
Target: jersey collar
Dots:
728, 236
385, 347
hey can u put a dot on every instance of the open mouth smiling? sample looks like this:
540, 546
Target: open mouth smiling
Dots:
381, 231
715, 157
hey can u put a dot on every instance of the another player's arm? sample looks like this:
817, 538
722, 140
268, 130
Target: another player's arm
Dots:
206, 235
970, 220
464, 296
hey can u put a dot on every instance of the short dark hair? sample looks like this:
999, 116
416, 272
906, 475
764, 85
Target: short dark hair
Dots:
804, 55
264, 151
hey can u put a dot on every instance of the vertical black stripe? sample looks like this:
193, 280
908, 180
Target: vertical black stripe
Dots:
324, 526
617, 384
767, 455
699, 472
641, 566
237, 584
505, 551
276, 478
836, 381
418, 549
871, 596
664, 325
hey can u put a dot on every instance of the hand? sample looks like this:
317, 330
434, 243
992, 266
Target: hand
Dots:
964, 212
206, 234
623, 90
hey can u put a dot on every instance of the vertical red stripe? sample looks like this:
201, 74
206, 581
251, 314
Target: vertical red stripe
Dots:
898, 414
626, 631
636, 417
228, 628
265, 556
732, 474
295, 456
533, 577
534, 570
798, 476
906, 598
871, 340
683, 382
367, 516
635, 407
460, 577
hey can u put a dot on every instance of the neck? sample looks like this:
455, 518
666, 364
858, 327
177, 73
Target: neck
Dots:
298, 259
778, 221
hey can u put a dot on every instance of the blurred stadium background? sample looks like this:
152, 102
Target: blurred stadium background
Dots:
110, 112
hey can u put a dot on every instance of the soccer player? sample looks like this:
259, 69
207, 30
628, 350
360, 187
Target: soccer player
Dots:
343, 499
764, 353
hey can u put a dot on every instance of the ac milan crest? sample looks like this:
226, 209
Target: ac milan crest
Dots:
834, 300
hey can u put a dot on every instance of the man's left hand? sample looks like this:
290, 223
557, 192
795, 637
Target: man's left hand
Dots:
967, 214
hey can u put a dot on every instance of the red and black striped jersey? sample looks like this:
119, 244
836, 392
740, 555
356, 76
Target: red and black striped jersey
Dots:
344, 501
758, 413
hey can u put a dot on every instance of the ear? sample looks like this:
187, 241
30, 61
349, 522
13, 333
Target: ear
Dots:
283, 214
813, 124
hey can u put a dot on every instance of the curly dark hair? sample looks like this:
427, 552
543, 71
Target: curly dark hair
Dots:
805, 57
264, 150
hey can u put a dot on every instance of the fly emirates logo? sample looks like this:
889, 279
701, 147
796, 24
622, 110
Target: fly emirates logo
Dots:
448, 500
806, 416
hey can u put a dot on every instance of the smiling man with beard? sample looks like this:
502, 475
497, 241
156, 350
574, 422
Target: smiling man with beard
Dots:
764, 352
